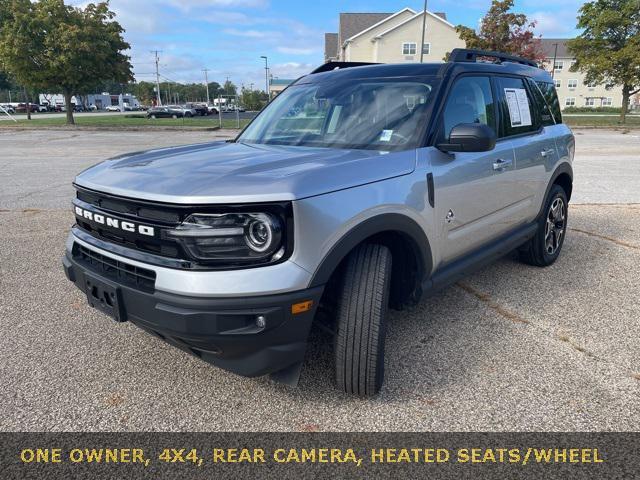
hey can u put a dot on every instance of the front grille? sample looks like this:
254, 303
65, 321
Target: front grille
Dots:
121, 272
162, 217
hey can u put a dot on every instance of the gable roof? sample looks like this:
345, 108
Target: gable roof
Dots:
330, 46
377, 24
353, 23
549, 46
419, 14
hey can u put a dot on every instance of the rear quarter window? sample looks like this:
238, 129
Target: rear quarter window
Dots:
551, 97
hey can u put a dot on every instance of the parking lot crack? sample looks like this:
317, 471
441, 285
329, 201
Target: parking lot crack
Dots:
486, 299
622, 243
493, 305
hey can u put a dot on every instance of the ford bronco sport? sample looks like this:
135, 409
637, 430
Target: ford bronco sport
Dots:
358, 188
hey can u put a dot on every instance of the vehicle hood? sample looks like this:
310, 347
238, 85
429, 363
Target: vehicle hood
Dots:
239, 173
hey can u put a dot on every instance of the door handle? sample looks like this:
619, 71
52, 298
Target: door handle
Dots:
547, 152
501, 164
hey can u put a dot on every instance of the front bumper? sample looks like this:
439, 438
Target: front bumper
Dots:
220, 330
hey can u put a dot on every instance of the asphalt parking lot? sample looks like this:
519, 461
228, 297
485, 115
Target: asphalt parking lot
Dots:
509, 348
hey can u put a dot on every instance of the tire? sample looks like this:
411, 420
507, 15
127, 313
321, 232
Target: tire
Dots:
544, 248
188, 115
153, 117
174, 116
361, 313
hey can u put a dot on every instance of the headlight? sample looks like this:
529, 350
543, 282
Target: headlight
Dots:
232, 237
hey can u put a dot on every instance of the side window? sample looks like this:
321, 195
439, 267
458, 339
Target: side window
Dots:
518, 112
551, 96
541, 105
470, 101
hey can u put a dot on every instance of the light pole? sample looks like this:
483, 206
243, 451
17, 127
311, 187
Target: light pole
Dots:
206, 82
266, 76
424, 25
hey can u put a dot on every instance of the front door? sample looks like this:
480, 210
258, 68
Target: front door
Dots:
474, 190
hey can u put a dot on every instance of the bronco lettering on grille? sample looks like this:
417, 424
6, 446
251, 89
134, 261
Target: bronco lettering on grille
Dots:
114, 222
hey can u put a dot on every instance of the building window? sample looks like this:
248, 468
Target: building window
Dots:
607, 102
572, 83
557, 66
590, 102
557, 82
426, 48
409, 48
570, 102
591, 86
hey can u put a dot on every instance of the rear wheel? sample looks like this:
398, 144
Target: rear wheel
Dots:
544, 248
361, 314
174, 116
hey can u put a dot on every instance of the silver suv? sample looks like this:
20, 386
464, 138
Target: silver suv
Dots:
360, 187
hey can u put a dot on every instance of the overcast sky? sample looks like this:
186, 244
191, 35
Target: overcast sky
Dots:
229, 36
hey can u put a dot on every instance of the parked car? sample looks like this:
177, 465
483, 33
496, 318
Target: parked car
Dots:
165, 112
22, 108
199, 108
113, 108
359, 188
43, 108
186, 111
9, 108
213, 110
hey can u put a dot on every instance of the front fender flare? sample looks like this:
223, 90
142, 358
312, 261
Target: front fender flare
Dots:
386, 222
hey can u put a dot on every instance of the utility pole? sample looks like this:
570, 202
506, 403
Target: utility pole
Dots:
159, 98
206, 82
266, 76
424, 26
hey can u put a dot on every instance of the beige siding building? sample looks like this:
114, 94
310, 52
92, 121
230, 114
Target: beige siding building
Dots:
391, 37
571, 86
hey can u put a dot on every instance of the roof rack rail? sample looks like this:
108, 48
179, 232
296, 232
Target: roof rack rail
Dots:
471, 55
327, 67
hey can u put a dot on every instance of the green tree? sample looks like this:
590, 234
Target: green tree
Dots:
229, 88
144, 92
504, 31
48, 45
253, 99
608, 49
5, 83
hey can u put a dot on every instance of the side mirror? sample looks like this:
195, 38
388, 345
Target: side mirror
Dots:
470, 137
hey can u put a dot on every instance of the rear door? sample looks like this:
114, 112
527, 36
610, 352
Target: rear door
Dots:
473, 189
523, 123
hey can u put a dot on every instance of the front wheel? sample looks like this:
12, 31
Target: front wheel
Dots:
361, 313
544, 248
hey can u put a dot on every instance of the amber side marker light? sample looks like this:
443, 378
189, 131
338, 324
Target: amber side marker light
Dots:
301, 307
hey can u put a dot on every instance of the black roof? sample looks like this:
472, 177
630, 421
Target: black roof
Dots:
422, 69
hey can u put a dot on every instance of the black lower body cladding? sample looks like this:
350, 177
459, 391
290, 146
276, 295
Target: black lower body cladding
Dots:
249, 336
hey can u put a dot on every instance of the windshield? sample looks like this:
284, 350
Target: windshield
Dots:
383, 114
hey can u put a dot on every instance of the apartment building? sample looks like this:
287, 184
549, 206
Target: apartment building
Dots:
572, 89
391, 37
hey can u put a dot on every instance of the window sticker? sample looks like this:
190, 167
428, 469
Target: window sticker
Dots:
518, 105
385, 136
